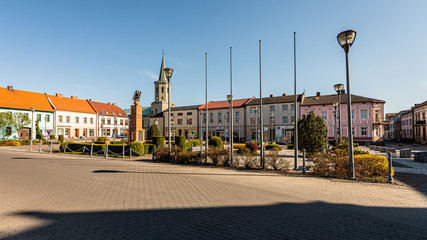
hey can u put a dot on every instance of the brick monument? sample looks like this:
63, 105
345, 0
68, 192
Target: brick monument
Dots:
137, 133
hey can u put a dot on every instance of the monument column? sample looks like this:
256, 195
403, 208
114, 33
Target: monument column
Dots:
137, 133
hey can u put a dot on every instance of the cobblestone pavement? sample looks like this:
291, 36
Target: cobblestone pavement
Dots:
46, 196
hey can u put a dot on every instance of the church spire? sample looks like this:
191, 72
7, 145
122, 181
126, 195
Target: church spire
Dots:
162, 76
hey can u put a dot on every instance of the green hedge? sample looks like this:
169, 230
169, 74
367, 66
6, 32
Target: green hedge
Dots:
215, 142
195, 142
159, 141
273, 147
112, 148
180, 141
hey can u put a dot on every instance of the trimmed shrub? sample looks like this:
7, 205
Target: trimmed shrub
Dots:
101, 140
52, 137
185, 157
273, 147
180, 141
276, 162
195, 142
367, 167
64, 144
61, 138
249, 160
25, 142
10, 143
158, 141
241, 148
162, 155
255, 142
215, 142
290, 146
153, 131
218, 155
252, 147
137, 147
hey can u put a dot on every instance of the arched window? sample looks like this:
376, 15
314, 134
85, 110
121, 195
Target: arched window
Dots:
163, 89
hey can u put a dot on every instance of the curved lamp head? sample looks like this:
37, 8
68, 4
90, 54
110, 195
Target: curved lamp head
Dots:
271, 115
338, 87
229, 97
32, 109
168, 73
346, 39
335, 104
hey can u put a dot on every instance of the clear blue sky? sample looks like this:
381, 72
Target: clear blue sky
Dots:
105, 50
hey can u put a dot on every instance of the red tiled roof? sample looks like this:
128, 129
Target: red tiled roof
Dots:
17, 99
106, 109
71, 104
224, 104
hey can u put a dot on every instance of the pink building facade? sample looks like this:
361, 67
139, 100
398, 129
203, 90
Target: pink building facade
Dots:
367, 115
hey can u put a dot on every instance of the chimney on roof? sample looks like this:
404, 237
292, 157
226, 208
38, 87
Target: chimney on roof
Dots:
114, 104
59, 95
271, 95
10, 88
284, 94
109, 103
318, 94
73, 97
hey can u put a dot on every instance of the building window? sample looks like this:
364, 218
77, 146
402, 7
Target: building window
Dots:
271, 108
67, 119
77, 119
39, 117
252, 109
179, 121
204, 117
189, 121
91, 120
352, 131
285, 120
108, 121
163, 89
219, 117
377, 117
364, 131
252, 121
293, 107
237, 116
103, 121
85, 120
211, 118
189, 113
272, 120
363, 114
60, 118
180, 114
228, 116
47, 118
324, 114
121, 122
352, 115
293, 119
284, 107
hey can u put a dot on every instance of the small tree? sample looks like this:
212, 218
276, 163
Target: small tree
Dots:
39, 134
19, 120
5, 120
312, 134
180, 141
153, 131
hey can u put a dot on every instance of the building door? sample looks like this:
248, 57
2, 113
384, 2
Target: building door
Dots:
24, 133
424, 134
76, 133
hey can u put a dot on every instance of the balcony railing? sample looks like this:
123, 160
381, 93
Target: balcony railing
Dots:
420, 122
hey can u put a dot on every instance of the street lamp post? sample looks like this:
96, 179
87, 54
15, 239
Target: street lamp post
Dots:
31, 134
115, 128
230, 131
338, 88
256, 125
346, 39
168, 73
239, 129
335, 104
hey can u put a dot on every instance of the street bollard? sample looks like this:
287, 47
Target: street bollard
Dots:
201, 155
91, 149
123, 150
51, 146
130, 152
153, 152
390, 167
40, 145
106, 151
31, 145
303, 161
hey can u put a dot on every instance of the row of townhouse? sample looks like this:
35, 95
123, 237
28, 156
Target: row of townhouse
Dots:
278, 117
408, 125
59, 115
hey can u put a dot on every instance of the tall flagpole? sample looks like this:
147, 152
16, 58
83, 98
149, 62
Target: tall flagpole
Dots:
295, 107
260, 111
231, 137
206, 106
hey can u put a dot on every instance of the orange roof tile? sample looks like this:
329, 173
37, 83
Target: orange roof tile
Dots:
106, 109
71, 104
224, 104
17, 99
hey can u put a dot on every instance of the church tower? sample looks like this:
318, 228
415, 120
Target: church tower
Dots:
160, 91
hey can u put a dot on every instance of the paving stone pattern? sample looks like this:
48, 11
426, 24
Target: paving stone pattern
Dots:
66, 197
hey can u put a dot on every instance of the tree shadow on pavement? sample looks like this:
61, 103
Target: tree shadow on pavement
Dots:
416, 181
316, 220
